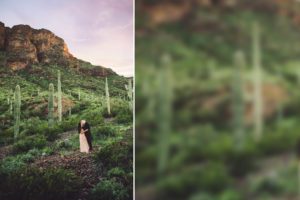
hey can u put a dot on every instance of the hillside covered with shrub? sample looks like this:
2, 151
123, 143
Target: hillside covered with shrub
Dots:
43, 96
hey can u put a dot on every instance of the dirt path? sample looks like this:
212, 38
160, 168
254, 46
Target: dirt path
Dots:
81, 164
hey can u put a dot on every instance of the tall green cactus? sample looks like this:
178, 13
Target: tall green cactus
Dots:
279, 106
70, 109
51, 105
238, 97
164, 115
59, 97
257, 82
129, 93
79, 94
107, 97
17, 111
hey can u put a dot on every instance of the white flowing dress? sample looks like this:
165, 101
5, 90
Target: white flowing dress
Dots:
84, 146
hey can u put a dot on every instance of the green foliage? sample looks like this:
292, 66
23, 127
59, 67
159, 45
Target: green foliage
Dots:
124, 115
11, 164
116, 161
116, 154
23, 145
109, 189
116, 172
104, 131
33, 184
64, 144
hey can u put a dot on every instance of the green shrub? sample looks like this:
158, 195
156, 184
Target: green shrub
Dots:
52, 133
116, 172
11, 164
69, 124
33, 184
104, 131
116, 154
38, 141
230, 194
34, 126
47, 151
124, 115
64, 144
93, 116
271, 185
108, 190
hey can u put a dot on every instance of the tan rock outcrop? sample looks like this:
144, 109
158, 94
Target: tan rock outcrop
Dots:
25, 46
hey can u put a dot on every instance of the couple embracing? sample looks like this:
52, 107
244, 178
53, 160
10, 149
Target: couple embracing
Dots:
85, 136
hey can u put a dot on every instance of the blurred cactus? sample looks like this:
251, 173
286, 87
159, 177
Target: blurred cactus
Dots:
164, 112
279, 106
70, 109
17, 111
107, 96
129, 93
59, 96
238, 96
10, 101
51, 105
79, 94
257, 82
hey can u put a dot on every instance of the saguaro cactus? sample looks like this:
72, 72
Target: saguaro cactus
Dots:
59, 97
51, 105
70, 109
129, 93
238, 106
257, 83
165, 96
17, 111
107, 96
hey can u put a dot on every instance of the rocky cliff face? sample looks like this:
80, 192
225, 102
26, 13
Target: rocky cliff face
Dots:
25, 46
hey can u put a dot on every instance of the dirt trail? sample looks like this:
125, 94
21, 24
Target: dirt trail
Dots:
81, 164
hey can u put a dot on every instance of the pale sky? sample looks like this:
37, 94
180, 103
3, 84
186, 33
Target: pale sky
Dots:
97, 31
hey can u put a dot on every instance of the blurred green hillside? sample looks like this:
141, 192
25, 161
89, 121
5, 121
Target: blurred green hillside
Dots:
185, 66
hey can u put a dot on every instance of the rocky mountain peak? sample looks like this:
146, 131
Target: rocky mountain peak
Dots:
25, 46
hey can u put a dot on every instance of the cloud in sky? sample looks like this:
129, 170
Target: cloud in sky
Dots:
98, 31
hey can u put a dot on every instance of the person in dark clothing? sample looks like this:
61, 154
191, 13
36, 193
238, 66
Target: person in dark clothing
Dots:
85, 127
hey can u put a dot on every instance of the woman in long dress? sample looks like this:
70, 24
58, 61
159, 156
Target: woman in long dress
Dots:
83, 143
